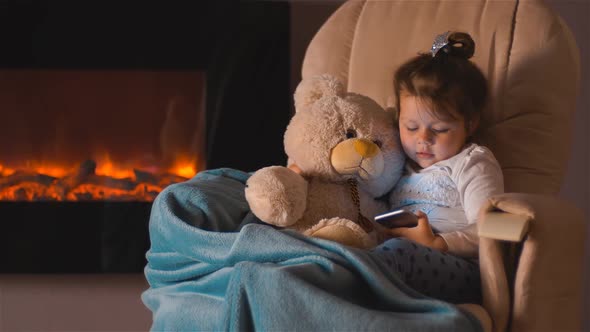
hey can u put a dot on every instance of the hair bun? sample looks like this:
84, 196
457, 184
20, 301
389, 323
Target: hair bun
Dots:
461, 45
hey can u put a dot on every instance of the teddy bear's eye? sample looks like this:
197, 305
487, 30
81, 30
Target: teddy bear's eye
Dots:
350, 133
378, 143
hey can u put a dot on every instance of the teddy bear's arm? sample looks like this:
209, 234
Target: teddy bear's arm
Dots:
277, 195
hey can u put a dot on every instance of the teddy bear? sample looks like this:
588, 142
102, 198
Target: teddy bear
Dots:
349, 155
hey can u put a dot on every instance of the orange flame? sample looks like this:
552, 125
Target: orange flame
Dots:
186, 169
110, 181
104, 166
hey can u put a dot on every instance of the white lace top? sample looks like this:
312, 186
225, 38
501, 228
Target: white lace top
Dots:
451, 192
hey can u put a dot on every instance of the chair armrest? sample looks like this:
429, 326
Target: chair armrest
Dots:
546, 286
506, 226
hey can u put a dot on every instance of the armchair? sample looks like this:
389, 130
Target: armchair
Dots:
532, 63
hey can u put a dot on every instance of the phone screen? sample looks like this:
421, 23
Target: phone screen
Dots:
397, 218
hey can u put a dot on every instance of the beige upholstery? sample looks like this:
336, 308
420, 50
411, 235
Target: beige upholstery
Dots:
532, 63
547, 284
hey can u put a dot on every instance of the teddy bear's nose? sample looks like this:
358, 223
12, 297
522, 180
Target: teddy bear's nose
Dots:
365, 148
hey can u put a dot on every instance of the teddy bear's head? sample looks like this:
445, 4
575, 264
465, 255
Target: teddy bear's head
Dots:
336, 136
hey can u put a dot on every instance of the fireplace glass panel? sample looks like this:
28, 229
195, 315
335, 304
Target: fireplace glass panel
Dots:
119, 135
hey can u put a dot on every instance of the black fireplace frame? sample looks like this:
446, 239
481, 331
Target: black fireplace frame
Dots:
243, 48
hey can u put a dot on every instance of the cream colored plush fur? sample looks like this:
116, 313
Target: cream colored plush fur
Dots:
334, 136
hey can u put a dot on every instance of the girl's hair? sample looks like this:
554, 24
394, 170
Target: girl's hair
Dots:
449, 82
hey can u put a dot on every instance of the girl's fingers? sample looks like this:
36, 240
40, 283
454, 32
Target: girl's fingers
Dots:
422, 222
412, 233
397, 232
422, 218
295, 168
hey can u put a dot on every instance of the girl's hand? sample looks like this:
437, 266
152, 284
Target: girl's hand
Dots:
421, 234
295, 168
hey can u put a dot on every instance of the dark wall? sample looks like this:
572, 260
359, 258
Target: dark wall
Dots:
249, 95
243, 46
307, 17
101, 34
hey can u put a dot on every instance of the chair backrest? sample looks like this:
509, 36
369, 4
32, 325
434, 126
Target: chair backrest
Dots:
524, 48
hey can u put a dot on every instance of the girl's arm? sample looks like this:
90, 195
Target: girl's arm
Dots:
477, 178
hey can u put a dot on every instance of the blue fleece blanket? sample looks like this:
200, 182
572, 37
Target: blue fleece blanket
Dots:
213, 266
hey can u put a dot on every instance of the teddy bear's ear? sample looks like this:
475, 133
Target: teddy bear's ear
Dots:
311, 89
390, 101
391, 107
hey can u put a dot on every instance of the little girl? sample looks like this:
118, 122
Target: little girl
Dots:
447, 178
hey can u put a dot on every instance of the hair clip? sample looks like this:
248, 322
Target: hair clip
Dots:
439, 43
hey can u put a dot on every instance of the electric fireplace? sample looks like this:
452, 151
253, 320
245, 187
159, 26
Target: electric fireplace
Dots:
87, 151
104, 104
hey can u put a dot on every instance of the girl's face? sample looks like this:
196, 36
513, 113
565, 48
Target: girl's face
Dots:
427, 139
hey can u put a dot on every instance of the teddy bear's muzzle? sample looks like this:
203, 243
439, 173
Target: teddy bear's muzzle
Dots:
358, 156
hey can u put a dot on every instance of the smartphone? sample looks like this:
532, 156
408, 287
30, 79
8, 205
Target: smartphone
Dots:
397, 218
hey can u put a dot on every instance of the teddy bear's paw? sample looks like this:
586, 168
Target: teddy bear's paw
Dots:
277, 195
343, 231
